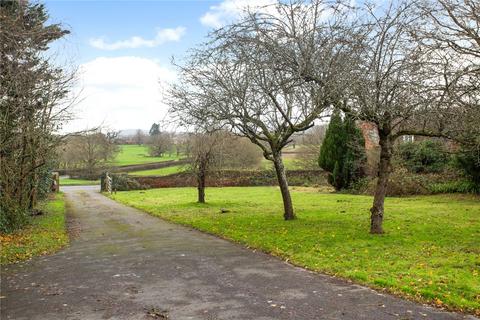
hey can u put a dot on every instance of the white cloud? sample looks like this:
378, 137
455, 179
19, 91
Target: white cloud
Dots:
230, 10
121, 93
162, 36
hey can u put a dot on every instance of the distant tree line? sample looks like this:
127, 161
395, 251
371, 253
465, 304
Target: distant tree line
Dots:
88, 152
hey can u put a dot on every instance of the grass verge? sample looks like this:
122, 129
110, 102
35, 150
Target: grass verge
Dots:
430, 252
46, 234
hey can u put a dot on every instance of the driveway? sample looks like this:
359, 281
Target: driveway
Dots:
125, 264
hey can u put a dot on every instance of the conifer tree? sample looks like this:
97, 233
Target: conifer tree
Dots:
342, 153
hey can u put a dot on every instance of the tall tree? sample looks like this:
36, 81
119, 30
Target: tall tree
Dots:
382, 79
32, 105
388, 86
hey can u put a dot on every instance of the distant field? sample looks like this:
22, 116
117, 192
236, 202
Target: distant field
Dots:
77, 182
135, 154
159, 172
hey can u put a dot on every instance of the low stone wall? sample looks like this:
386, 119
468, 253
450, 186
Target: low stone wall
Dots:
230, 178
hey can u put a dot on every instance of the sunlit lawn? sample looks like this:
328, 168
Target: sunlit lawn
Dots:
430, 252
45, 234
138, 154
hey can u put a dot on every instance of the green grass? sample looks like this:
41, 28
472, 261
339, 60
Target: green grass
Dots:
138, 154
430, 251
289, 162
159, 172
46, 234
77, 182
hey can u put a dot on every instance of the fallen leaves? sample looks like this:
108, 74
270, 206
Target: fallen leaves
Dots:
45, 235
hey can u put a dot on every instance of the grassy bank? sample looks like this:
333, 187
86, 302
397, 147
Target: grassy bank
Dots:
46, 234
430, 251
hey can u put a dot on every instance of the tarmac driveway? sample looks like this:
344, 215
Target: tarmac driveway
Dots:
125, 264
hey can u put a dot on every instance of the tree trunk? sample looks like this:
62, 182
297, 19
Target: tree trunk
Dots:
201, 184
288, 213
384, 166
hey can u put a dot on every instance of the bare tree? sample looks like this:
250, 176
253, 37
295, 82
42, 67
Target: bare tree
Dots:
205, 155
238, 81
378, 74
211, 152
310, 143
182, 143
390, 87
139, 137
160, 143
89, 151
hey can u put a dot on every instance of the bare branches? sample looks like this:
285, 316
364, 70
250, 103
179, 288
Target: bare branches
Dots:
266, 77
409, 67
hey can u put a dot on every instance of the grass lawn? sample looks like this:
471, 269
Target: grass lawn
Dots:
430, 252
289, 162
159, 172
46, 234
138, 154
77, 182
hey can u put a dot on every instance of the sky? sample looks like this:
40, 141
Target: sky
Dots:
122, 51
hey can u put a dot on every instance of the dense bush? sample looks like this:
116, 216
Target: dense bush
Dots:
342, 153
423, 157
12, 215
44, 182
402, 182
469, 162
